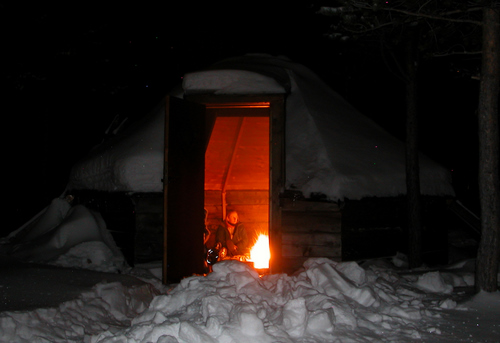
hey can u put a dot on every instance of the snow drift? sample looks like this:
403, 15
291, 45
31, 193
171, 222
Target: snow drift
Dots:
64, 235
324, 302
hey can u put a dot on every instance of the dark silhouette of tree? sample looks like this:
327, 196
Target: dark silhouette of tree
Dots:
433, 28
489, 186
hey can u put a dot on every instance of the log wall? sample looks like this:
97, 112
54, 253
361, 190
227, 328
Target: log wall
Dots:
377, 227
148, 242
309, 229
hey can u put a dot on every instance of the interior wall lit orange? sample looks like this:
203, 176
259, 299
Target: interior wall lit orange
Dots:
237, 157
237, 165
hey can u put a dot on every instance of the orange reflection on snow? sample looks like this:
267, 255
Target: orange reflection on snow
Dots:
260, 254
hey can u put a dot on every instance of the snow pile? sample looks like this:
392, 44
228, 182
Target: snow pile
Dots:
433, 282
107, 307
94, 255
66, 236
325, 302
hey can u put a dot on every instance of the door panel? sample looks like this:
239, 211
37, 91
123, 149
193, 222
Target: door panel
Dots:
184, 178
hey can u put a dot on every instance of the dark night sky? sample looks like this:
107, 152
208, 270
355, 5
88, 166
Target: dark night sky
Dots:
70, 70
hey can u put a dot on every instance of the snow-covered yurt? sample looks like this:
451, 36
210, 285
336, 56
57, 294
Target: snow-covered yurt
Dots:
268, 138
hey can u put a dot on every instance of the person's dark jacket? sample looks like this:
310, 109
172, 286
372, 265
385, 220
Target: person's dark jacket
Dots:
236, 246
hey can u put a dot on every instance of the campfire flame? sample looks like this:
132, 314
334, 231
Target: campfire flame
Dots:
260, 254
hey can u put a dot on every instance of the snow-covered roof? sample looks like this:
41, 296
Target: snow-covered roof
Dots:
331, 148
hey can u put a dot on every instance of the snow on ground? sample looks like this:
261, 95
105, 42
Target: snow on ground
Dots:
66, 235
325, 301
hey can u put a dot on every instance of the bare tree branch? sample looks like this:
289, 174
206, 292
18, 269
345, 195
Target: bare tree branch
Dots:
434, 17
442, 16
455, 53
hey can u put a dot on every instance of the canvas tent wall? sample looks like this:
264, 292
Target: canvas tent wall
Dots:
330, 149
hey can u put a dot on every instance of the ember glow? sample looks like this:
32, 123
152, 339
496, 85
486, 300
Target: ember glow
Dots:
260, 254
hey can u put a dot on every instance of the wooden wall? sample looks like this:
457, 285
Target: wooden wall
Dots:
148, 240
372, 228
309, 229
356, 230
377, 227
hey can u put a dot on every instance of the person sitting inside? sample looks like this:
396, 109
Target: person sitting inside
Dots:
232, 235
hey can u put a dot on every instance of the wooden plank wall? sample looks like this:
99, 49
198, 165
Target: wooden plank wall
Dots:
148, 242
377, 227
309, 229
252, 207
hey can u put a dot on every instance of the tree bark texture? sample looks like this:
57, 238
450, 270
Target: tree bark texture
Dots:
412, 162
489, 191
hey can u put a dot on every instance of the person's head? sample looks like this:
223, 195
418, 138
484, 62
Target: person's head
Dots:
232, 218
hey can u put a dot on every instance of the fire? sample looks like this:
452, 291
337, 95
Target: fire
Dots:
260, 254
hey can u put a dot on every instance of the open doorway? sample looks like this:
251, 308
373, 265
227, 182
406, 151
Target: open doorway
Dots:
237, 173
245, 172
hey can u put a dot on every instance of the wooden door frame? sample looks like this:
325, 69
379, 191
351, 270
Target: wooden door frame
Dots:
276, 105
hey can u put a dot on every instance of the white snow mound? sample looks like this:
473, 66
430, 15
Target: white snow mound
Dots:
327, 302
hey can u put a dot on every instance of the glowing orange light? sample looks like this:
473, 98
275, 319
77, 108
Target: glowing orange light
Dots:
260, 254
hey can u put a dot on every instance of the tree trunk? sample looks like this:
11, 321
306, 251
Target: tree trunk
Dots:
412, 163
489, 191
